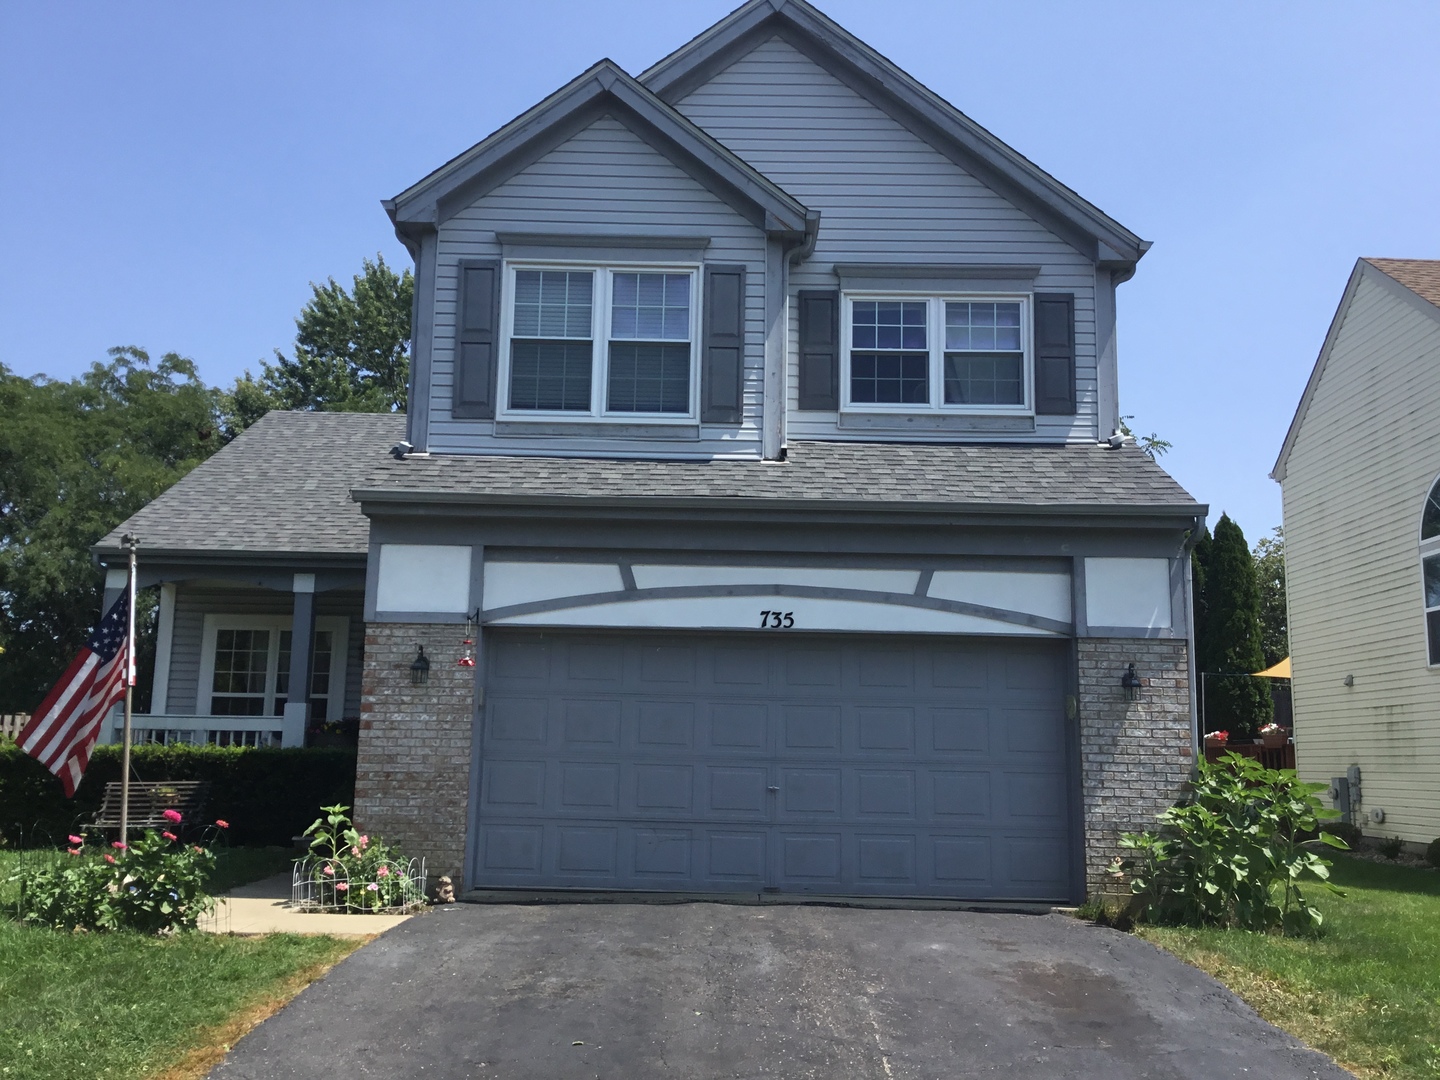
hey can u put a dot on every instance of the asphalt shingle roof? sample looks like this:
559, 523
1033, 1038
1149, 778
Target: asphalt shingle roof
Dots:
281, 487
284, 486
1420, 276
814, 472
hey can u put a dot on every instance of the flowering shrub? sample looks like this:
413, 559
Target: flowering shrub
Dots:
154, 884
348, 871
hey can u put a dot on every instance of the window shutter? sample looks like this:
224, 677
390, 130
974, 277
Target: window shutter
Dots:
1055, 354
819, 350
477, 338
722, 356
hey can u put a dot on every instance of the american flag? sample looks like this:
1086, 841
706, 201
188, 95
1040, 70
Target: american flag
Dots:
64, 729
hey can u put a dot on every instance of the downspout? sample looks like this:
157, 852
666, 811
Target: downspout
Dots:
1185, 551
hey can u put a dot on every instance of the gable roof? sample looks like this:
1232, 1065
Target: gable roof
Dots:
280, 488
605, 87
915, 105
1417, 280
882, 477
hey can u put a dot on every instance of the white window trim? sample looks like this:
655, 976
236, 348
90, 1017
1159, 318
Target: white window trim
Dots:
338, 625
935, 339
600, 318
1429, 548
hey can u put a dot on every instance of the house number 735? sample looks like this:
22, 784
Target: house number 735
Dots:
777, 620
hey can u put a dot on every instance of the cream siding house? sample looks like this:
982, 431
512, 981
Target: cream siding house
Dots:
1358, 469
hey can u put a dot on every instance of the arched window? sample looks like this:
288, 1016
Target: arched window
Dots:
1430, 570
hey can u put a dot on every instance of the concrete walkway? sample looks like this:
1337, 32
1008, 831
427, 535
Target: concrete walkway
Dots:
263, 907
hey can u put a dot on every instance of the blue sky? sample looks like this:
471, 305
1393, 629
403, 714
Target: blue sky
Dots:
175, 174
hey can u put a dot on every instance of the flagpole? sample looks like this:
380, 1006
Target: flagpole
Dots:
129, 542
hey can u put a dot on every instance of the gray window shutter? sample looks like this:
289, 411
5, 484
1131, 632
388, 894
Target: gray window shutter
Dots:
819, 350
1055, 354
477, 339
722, 351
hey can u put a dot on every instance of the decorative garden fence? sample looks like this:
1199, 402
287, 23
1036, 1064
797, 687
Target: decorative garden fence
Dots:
391, 887
12, 723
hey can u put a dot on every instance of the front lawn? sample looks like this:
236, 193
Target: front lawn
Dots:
1367, 992
128, 1006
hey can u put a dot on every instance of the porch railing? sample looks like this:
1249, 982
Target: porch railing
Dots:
1272, 757
201, 730
11, 724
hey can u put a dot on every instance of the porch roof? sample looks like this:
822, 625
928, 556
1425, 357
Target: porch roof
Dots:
281, 488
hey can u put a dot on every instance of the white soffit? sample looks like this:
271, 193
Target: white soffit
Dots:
423, 578
1047, 595
658, 576
1131, 593
508, 583
744, 613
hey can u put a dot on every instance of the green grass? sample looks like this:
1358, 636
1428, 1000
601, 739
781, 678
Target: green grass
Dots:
124, 1006
1367, 992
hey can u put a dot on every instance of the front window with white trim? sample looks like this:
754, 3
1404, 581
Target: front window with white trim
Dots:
245, 666
937, 353
601, 343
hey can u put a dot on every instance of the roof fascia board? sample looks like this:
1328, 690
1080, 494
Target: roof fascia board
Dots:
403, 502
304, 561
604, 89
1362, 271
919, 108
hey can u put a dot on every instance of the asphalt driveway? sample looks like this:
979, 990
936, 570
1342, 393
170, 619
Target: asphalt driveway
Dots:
631, 992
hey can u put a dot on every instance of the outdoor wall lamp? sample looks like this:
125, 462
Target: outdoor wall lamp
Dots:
1131, 683
420, 667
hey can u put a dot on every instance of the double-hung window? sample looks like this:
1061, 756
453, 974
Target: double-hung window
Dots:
938, 353
245, 666
602, 342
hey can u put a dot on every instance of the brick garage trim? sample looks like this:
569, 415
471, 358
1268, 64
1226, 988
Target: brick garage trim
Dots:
412, 776
1135, 756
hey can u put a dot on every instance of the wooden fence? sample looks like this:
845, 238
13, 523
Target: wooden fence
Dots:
11, 723
1272, 757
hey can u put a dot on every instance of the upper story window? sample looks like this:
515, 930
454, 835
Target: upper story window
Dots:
1430, 571
601, 342
962, 354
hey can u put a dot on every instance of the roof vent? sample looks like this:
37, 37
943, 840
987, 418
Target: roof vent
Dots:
400, 449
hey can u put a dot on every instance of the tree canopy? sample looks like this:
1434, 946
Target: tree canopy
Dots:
1269, 557
77, 458
351, 352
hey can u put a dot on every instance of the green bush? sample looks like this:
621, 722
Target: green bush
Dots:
1351, 834
1391, 847
1432, 853
154, 885
1235, 853
270, 795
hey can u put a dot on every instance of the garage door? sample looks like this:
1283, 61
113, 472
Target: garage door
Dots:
883, 766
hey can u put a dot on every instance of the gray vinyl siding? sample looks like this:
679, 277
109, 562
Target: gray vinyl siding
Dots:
884, 195
605, 178
194, 602
1364, 458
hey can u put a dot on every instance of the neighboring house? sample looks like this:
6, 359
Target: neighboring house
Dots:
759, 459
1360, 473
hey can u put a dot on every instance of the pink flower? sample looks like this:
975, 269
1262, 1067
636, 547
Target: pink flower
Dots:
197, 849
118, 845
169, 836
355, 851
222, 823
110, 859
73, 851
329, 869
364, 841
77, 840
382, 871
372, 887
340, 886
172, 816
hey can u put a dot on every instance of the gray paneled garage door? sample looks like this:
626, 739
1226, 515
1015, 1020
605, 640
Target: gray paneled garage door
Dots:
843, 765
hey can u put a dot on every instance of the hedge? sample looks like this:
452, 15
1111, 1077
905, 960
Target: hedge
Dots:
267, 796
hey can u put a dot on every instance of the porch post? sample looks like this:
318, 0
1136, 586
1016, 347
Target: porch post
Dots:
302, 637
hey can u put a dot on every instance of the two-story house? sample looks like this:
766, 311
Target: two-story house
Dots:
756, 523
